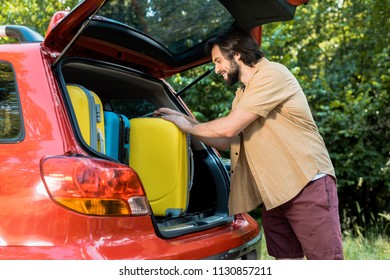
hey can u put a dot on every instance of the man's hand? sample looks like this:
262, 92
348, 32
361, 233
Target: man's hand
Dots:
188, 125
166, 111
183, 122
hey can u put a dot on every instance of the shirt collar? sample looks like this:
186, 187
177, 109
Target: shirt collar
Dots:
258, 66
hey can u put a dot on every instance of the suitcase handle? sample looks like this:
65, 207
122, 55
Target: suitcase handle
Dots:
190, 164
100, 139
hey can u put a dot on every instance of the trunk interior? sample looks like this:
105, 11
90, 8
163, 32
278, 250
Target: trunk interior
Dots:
134, 95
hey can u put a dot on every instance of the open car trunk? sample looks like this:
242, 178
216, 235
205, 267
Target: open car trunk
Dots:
134, 95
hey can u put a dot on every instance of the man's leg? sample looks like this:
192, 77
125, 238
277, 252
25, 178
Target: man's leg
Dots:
314, 216
281, 240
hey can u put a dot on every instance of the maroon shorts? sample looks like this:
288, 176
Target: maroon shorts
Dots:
307, 225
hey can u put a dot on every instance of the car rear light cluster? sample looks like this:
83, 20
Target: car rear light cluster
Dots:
93, 186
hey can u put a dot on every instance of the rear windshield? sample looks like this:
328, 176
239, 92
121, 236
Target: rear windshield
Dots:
176, 24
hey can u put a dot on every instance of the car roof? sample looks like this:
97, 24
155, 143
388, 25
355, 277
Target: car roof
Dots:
158, 37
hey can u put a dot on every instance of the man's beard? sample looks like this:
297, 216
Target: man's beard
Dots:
233, 74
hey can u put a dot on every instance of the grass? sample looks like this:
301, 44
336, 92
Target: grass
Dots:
366, 248
355, 247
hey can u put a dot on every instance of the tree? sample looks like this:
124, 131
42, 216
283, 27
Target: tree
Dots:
340, 53
35, 14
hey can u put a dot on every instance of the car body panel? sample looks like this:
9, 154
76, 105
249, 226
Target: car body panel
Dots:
130, 238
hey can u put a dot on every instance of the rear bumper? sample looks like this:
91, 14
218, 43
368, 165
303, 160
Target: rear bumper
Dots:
248, 251
135, 238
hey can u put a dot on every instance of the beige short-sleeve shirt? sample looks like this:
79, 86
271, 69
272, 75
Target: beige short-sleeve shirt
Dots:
281, 151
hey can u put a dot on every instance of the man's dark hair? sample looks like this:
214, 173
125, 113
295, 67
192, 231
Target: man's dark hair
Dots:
236, 40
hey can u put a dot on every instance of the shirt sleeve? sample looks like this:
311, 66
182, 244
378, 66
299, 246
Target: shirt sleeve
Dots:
267, 89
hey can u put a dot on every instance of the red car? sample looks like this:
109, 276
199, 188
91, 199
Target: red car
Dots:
62, 197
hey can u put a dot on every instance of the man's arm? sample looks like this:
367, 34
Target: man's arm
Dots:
216, 133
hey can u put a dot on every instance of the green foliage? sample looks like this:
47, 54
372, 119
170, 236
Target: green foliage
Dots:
35, 14
373, 247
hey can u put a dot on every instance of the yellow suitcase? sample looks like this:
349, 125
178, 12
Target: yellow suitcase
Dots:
160, 154
88, 109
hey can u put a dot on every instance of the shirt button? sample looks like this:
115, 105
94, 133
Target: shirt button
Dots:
236, 154
232, 171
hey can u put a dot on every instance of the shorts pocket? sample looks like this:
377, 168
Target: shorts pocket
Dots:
323, 195
331, 192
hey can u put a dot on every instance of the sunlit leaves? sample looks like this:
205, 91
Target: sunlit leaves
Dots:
35, 14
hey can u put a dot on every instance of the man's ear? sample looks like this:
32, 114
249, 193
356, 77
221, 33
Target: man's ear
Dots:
237, 57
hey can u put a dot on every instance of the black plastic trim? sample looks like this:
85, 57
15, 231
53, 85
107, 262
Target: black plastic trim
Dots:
23, 34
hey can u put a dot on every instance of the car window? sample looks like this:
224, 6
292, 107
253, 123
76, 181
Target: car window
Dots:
133, 108
175, 24
10, 113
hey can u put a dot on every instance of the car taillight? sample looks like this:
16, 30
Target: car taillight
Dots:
93, 186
